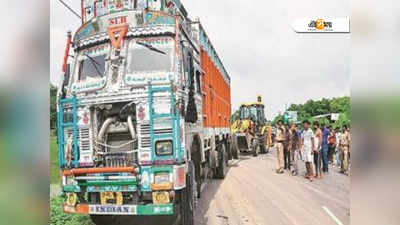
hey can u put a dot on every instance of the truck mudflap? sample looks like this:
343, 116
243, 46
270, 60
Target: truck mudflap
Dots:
145, 210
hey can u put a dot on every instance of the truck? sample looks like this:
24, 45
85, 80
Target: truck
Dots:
143, 111
250, 131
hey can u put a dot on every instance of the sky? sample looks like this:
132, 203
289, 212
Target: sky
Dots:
258, 47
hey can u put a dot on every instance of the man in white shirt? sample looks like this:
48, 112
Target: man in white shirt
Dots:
307, 142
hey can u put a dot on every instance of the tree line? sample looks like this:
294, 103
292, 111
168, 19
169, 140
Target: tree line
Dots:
312, 108
53, 107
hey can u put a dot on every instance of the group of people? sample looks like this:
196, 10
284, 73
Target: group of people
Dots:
318, 147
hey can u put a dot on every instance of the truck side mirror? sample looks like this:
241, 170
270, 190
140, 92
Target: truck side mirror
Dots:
66, 80
67, 75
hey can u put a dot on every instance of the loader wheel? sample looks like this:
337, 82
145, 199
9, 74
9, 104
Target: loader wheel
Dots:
256, 150
222, 163
187, 198
262, 149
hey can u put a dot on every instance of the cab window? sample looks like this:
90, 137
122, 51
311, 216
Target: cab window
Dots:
92, 67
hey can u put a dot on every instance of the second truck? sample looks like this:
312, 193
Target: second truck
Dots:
143, 112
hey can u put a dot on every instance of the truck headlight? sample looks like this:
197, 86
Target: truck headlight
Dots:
161, 178
164, 147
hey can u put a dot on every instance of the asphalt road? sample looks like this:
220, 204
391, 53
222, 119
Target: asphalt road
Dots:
252, 193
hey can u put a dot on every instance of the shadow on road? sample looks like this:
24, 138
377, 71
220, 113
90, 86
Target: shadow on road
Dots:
208, 194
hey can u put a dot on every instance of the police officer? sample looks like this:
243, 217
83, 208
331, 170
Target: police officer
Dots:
280, 138
287, 147
344, 148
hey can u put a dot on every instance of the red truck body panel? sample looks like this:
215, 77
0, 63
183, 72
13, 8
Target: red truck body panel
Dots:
216, 95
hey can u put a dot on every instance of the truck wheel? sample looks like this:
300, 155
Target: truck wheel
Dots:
228, 150
187, 200
235, 152
221, 170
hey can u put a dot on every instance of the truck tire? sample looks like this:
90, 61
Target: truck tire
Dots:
234, 148
187, 198
222, 163
235, 151
196, 161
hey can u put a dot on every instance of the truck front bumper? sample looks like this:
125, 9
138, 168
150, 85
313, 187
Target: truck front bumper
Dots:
149, 209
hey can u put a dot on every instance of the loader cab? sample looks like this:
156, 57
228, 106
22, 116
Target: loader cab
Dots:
253, 111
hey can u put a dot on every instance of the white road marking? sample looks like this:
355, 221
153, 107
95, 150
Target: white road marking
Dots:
333, 216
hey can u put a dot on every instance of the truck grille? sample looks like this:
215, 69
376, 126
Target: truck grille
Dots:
163, 131
83, 137
117, 160
145, 134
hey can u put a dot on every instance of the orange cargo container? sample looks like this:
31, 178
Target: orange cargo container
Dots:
217, 95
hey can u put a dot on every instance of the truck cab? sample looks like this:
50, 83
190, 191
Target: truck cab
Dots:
132, 120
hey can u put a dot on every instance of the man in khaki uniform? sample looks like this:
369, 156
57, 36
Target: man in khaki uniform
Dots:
280, 138
344, 147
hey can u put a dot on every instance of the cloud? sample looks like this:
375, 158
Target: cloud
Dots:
260, 50
263, 54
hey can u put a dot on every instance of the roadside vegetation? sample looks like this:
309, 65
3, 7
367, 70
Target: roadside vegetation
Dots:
54, 170
313, 108
55, 177
58, 217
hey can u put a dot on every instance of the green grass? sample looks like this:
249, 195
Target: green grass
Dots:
58, 217
55, 177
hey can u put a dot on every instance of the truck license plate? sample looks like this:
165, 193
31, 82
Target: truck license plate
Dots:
111, 198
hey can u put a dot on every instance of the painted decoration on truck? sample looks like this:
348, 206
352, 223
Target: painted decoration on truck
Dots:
154, 4
154, 78
101, 8
88, 85
118, 5
112, 209
101, 25
85, 31
145, 181
158, 18
88, 9
112, 188
141, 4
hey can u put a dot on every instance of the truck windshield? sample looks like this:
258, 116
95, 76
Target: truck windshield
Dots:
92, 67
150, 57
